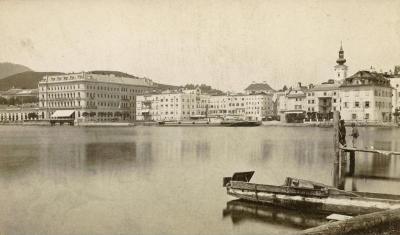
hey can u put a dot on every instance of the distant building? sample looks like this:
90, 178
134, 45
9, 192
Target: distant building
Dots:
294, 107
395, 83
397, 70
255, 107
21, 94
366, 97
259, 88
18, 113
322, 100
172, 106
279, 99
192, 104
340, 69
91, 96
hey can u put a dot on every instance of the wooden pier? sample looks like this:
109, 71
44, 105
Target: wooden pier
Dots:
387, 221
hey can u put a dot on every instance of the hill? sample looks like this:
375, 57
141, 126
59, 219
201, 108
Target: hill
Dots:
25, 80
8, 69
116, 73
163, 87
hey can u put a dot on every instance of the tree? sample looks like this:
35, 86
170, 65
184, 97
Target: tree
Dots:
284, 88
85, 114
396, 114
33, 115
3, 100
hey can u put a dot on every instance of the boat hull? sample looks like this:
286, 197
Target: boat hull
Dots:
340, 205
241, 123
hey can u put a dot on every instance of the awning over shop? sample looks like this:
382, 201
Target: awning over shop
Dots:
63, 114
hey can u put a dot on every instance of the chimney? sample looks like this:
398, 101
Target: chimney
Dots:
299, 83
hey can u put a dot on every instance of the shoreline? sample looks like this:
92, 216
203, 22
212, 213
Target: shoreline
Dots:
132, 124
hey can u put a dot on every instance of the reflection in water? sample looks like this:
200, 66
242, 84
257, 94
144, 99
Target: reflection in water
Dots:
67, 180
16, 162
200, 149
241, 211
110, 155
374, 166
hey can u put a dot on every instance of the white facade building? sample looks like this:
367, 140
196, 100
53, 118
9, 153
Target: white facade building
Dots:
192, 104
366, 97
292, 106
322, 100
91, 96
18, 114
171, 106
254, 107
395, 83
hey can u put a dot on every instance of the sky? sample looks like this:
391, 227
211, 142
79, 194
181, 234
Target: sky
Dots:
226, 44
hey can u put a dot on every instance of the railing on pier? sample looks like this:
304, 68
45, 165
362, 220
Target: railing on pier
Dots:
339, 174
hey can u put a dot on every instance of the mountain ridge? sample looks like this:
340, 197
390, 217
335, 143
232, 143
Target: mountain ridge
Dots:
8, 69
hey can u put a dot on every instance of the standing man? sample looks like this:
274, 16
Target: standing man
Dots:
354, 133
342, 133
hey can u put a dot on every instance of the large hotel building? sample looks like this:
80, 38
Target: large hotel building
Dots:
91, 96
192, 104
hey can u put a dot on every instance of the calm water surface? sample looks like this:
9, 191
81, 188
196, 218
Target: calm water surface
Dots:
167, 180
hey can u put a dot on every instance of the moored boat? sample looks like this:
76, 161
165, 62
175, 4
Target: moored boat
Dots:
240, 123
308, 195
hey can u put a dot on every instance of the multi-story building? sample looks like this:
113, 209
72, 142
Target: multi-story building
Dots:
19, 113
91, 96
192, 104
395, 83
366, 97
178, 105
23, 95
294, 108
279, 99
322, 100
313, 102
254, 107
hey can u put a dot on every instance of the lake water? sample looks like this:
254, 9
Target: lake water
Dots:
168, 180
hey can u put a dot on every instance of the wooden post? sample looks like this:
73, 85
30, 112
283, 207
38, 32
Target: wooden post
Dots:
352, 163
342, 167
336, 148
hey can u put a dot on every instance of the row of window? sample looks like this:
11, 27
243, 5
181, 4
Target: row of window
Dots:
325, 93
313, 101
378, 104
91, 87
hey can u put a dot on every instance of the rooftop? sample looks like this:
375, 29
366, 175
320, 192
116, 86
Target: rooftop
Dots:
97, 76
366, 78
325, 87
259, 87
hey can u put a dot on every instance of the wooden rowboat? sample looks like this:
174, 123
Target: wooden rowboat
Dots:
308, 195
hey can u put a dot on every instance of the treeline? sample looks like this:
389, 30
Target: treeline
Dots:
204, 89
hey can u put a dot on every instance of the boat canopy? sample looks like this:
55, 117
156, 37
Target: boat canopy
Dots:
63, 114
243, 176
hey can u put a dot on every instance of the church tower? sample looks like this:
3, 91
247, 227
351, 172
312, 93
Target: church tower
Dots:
340, 68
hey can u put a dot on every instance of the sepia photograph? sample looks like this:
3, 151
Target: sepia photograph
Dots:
220, 117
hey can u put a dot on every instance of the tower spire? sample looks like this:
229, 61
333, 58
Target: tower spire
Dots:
341, 60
